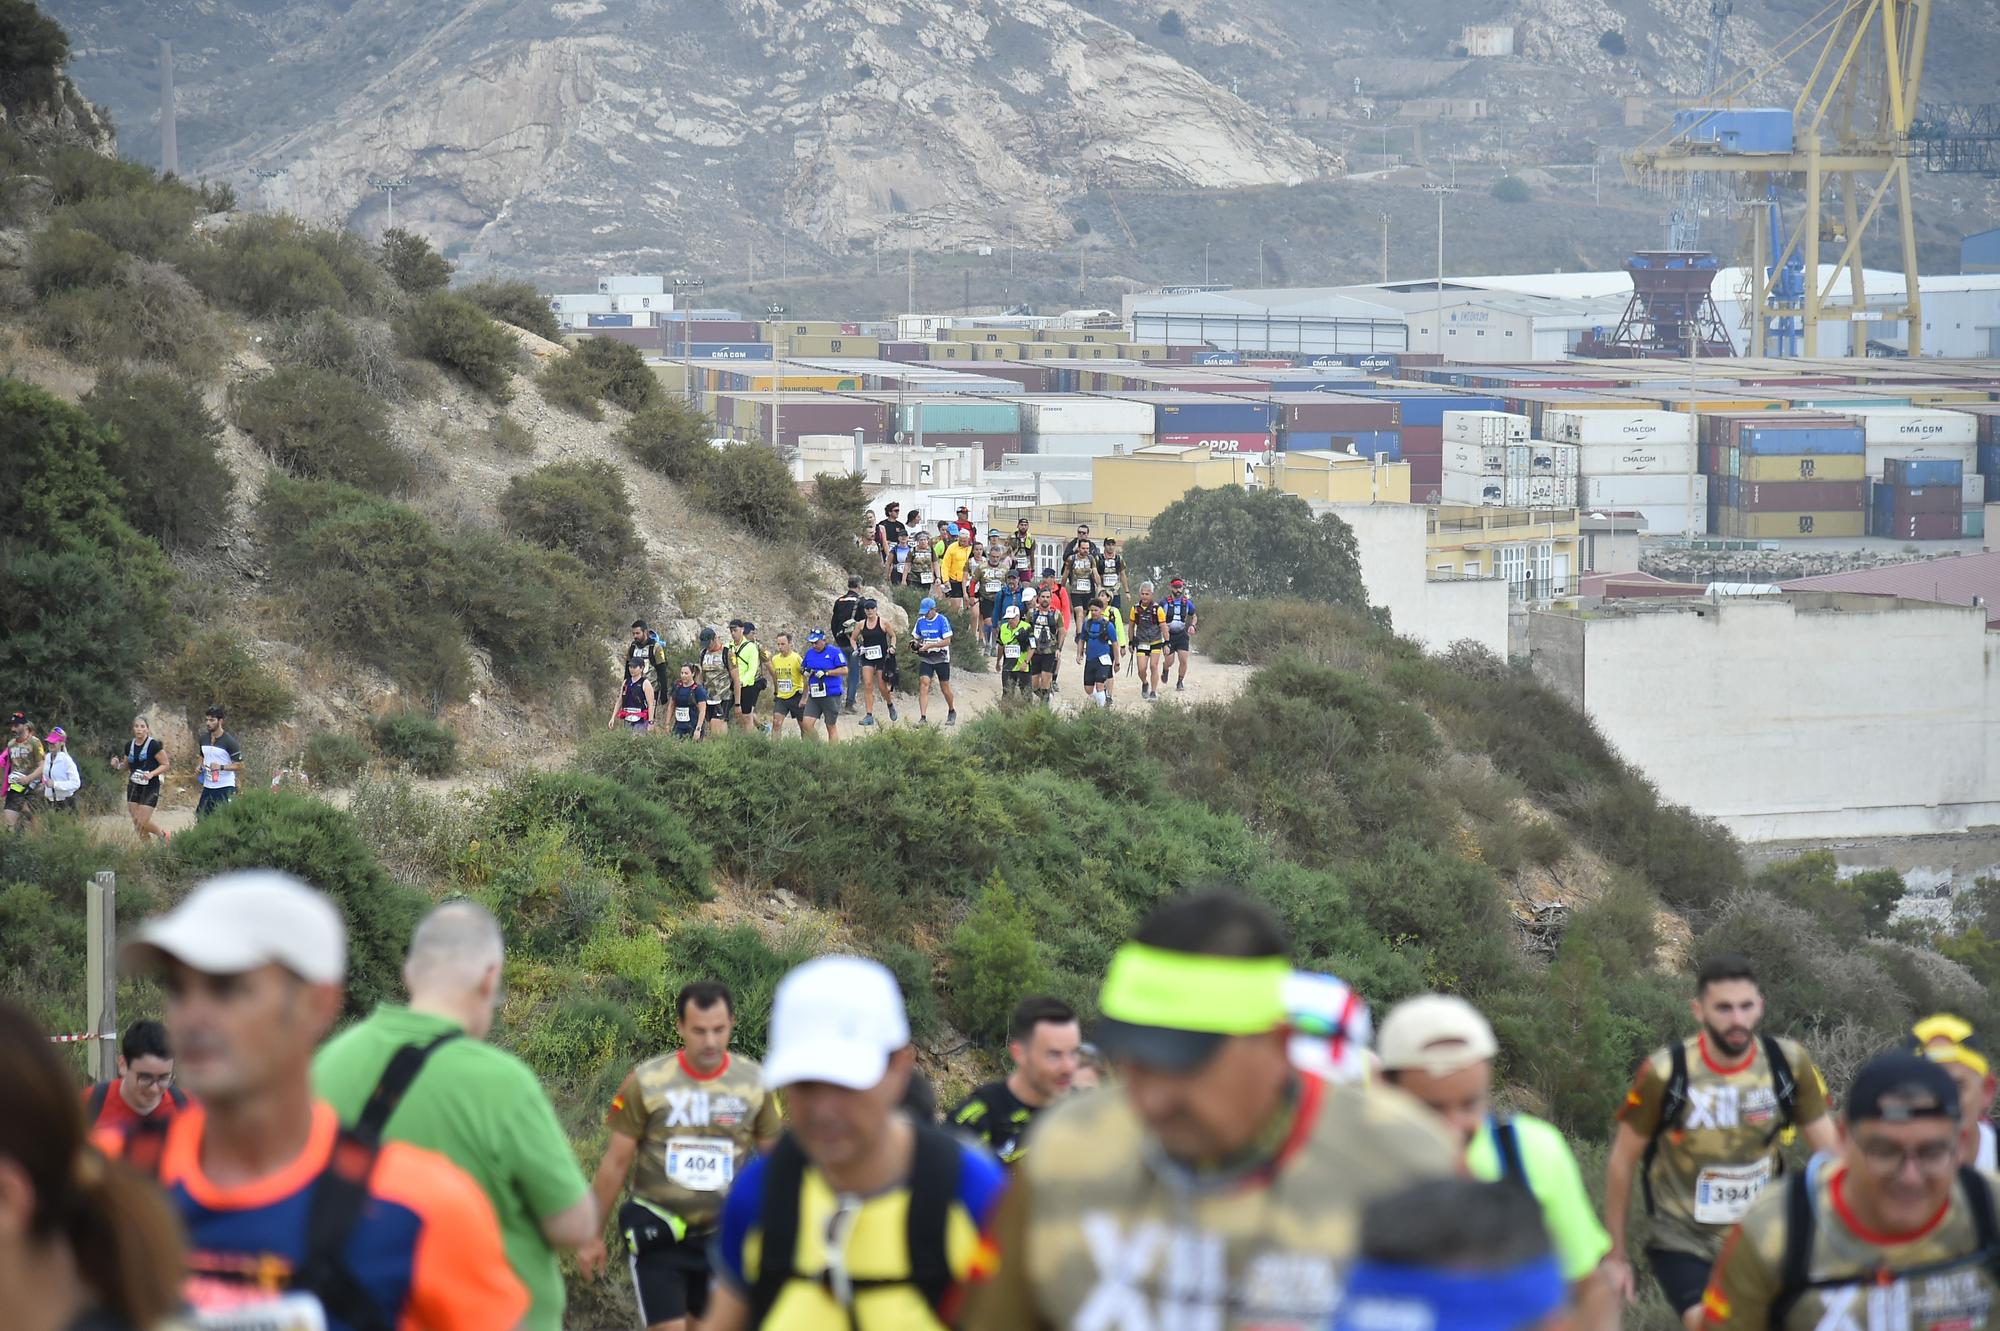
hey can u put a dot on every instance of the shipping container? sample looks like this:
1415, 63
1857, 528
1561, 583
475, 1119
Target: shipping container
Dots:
1911, 473
1474, 491
1805, 467
1973, 523
1219, 442
726, 351
1484, 427
1618, 427
1217, 417
1791, 440
1989, 459
1382, 445
1079, 444
1634, 459
1800, 496
1973, 487
1425, 471
1330, 411
954, 416
714, 330
1649, 491
1072, 414
1475, 459
1552, 491
1926, 527
1899, 500
1917, 425
1776, 526
1879, 455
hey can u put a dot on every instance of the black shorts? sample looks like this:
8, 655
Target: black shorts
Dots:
825, 709
147, 794
896, 579
1043, 663
986, 602
669, 1275
746, 699
721, 709
955, 588
24, 801
794, 706
1097, 672
1177, 642
213, 799
1682, 1276
939, 670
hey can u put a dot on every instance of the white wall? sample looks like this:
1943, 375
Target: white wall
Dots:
1394, 568
1815, 715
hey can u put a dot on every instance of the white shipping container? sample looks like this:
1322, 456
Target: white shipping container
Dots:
1915, 425
1662, 519
1084, 445
1516, 490
1475, 459
1085, 415
1975, 489
1620, 426
1458, 487
1644, 491
1552, 492
1634, 459
633, 285
587, 302
1484, 427
1965, 454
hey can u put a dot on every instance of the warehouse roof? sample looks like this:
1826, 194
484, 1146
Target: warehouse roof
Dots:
1948, 580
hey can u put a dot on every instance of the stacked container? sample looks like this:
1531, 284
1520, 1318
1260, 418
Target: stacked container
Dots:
1509, 475
1919, 499
1071, 426
1801, 499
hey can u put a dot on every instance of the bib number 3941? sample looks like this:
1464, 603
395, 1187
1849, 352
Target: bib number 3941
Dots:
701, 1164
1722, 1193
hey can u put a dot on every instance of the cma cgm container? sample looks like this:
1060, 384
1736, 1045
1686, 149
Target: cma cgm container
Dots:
1917, 425
1484, 427
1618, 427
729, 351
1634, 459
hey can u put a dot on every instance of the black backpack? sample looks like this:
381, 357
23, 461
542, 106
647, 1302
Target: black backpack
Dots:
1674, 1100
339, 1194
1795, 1267
1507, 1145
102, 1091
934, 1174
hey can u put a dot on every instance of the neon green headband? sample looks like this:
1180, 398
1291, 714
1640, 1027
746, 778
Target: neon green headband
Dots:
1186, 991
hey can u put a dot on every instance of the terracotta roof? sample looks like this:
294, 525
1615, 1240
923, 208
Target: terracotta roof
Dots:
1635, 583
1948, 579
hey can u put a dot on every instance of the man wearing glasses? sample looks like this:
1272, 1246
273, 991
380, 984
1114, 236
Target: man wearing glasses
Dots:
144, 1089
1890, 1234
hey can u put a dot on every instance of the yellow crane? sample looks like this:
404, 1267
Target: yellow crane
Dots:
1850, 131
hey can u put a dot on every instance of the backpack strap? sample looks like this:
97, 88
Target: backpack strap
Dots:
1784, 1085
1507, 1144
98, 1094
778, 1221
177, 1095
145, 1146
340, 1194
1673, 1099
1795, 1266
934, 1172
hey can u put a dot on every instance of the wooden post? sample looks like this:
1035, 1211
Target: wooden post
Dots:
101, 897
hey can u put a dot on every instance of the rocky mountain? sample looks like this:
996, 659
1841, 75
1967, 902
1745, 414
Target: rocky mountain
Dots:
750, 134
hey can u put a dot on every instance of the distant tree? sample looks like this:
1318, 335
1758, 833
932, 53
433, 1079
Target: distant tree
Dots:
1082, 225
32, 48
1612, 42
1171, 25
515, 302
1510, 189
160, 441
1253, 543
412, 264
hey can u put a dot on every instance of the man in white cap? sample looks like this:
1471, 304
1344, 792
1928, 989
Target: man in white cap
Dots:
291, 1219
859, 1219
1439, 1049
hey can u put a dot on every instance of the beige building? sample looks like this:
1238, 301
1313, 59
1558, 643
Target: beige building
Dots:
1129, 490
1336, 478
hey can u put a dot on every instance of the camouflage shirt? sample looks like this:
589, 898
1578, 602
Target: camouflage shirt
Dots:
1745, 1285
694, 1132
1722, 1148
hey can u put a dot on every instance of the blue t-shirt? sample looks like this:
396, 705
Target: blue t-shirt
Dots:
934, 637
1098, 635
819, 659
687, 697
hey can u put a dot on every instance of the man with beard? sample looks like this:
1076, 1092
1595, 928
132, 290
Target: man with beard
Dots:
1701, 1128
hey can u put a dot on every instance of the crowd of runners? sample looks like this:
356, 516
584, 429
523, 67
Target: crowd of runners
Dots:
1227, 1144
41, 774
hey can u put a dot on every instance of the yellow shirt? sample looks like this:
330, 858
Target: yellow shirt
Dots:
956, 557
789, 670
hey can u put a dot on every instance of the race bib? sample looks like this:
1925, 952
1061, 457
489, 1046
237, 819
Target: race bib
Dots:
1722, 1193
701, 1164
1013, 650
817, 689
872, 653
786, 688
1111, 580
224, 1306
924, 577
1083, 585
139, 778
683, 713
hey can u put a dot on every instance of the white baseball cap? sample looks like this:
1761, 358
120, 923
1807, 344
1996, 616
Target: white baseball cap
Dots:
1434, 1033
239, 921
836, 1020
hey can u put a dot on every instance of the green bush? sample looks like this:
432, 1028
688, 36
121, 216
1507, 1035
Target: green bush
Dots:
581, 507
549, 893
77, 173
312, 840
1511, 189
515, 302
836, 504
33, 47
64, 258
671, 438
1259, 632
1851, 908
1255, 543
409, 737
280, 266
623, 377
334, 758
160, 440
511, 437
745, 961
412, 264
147, 223
571, 384
322, 426
538, 614
216, 667
148, 312
995, 958
458, 335
640, 838
750, 485
361, 350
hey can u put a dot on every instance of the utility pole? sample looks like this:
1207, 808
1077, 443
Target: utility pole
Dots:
1438, 314
389, 186
1385, 247
684, 286
100, 897
776, 312
910, 274
1260, 262
1204, 263
266, 175
170, 151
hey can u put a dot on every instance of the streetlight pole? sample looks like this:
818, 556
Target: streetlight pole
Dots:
389, 187
1204, 263
1437, 315
775, 312
682, 287
1385, 247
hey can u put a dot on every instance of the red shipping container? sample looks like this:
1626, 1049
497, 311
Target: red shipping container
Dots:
1222, 443
1931, 526
1424, 441
1426, 473
1930, 499
902, 352
1804, 496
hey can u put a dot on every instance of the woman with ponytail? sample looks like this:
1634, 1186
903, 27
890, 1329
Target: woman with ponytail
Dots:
85, 1243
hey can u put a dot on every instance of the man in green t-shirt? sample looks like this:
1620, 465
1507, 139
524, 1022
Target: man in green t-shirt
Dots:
1440, 1050
478, 1106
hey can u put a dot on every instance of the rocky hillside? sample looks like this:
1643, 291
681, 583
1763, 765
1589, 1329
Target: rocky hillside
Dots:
730, 135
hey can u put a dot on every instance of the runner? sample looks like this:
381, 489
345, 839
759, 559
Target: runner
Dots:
26, 762
635, 701
1440, 1050
845, 625
473, 1104
293, 1220
221, 760
647, 649
1700, 1128
965, 522
923, 564
144, 1087
1149, 641
826, 671
1042, 1039
1097, 652
1013, 657
85, 1245
1090, 1069
144, 761
956, 566
746, 663
1180, 632
60, 777
931, 632
788, 688
995, 577
1891, 1234
1111, 573
691, 1120
690, 705
1022, 549
1011, 587
890, 533
1949, 1041
878, 659
718, 680
1454, 1255
1080, 572
1215, 1187
859, 1219
1045, 638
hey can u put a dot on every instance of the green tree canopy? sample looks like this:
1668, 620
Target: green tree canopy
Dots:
1254, 543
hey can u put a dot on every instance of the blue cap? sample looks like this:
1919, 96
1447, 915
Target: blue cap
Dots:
930, 604
1386, 1296
817, 635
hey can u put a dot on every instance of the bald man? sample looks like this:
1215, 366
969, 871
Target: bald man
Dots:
473, 1103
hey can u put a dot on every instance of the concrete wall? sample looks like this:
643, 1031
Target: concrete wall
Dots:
1390, 541
1815, 715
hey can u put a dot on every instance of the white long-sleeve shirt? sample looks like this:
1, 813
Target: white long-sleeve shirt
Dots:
62, 779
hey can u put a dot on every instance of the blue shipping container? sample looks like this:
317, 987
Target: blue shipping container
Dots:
1918, 472
1989, 460
730, 350
1382, 445
1747, 129
1218, 358
1774, 441
1214, 418
608, 320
